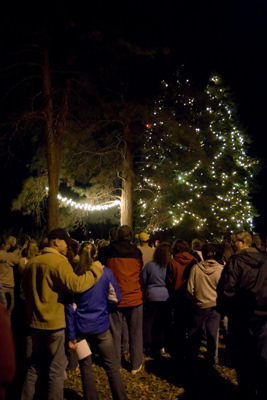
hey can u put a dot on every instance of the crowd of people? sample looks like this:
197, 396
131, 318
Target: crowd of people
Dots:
126, 299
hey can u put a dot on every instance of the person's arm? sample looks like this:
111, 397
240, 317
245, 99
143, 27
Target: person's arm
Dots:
190, 287
73, 283
2, 296
227, 285
70, 321
114, 295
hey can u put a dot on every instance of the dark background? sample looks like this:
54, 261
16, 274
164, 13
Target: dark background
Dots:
224, 36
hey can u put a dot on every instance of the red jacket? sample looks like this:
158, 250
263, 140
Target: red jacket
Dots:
178, 270
125, 261
7, 353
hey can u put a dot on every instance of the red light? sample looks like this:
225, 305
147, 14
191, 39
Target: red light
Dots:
148, 126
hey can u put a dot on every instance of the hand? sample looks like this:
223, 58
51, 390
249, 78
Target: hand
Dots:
73, 344
98, 264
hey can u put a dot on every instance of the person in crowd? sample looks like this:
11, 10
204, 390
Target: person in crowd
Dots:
113, 236
89, 320
7, 353
146, 250
202, 291
72, 252
31, 250
11, 245
242, 295
196, 247
101, 255
44, 243
125, 261
258, 242
2, 296
177, 274
45, 280
227, 247
7, 262
156, 305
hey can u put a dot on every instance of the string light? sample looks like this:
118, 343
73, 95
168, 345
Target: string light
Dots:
67, 202
230, 208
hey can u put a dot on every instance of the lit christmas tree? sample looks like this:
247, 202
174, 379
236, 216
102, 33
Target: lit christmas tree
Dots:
197, 175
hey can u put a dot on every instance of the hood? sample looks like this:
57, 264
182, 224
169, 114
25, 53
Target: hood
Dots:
251, 257
209, 267
184, 258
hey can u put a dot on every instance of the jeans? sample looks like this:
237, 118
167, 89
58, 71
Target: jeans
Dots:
104, 344
10, 298
48, 364
134, 319
207, 319
156, 324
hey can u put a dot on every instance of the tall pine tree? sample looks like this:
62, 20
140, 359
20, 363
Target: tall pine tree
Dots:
197, 174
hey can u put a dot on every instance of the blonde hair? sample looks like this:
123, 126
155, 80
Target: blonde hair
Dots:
87, 254
244, 237
32, 249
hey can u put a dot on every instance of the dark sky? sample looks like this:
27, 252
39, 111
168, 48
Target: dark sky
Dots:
229, 36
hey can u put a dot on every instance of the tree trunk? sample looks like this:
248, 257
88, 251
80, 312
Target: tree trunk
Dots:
127, 202
127, 186
54, 132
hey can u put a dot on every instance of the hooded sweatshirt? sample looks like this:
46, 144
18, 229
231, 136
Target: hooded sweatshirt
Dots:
202, 283
242, 290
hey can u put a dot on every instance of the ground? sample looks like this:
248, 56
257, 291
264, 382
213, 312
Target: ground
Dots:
157, 380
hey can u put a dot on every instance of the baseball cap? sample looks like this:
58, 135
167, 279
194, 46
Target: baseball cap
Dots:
142, 236
59, 233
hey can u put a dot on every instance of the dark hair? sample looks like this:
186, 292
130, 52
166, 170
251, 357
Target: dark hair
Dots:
2, 241
113, 234
125, 233
197, 244
162, 254
209, 251
179, 246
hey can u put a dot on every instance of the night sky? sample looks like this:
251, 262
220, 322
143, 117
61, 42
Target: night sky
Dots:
227, 36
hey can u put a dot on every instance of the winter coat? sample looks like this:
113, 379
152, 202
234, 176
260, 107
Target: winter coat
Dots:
154, 277
45, 279
242, 290
125, 261
90, 315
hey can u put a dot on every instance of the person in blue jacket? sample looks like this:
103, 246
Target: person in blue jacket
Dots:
88, 318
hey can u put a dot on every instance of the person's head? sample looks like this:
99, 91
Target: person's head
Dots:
113, 234
197, 244
162, 254
143, 238
2, 243
102, 243
44, 243
258, 242
59, 239
24, 240
180, 246
11, 243
31, 250
87, 255
242, 240
72, 251
125, 233
209, 251
227, 239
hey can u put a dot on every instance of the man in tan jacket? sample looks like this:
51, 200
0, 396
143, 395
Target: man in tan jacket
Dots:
46, 279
